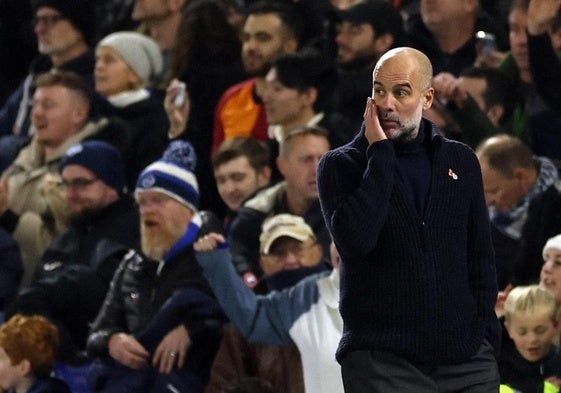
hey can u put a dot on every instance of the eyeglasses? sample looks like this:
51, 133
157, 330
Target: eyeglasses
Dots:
78, 184
47, 20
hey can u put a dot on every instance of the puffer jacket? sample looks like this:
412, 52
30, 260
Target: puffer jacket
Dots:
139, 289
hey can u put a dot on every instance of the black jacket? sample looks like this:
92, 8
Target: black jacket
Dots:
73, 276
147, 127
139, 289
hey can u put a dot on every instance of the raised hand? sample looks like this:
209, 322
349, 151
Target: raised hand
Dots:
178, 115
540, 15
208, 242
373, 129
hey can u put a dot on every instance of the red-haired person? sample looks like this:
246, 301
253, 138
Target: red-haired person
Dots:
28, 347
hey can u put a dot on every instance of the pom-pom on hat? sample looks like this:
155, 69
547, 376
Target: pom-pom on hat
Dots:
141, 53
173, 175
81, 13
283, 225
101, 158
553, 242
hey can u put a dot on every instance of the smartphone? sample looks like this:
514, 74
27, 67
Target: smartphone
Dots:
486, 42
180, 97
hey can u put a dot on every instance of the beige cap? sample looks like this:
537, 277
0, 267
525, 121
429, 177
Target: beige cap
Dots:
283, 225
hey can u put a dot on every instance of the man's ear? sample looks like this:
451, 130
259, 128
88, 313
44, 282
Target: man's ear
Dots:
290, 45
81, 112
24, 368
264, 176
428, 98
495, 113
311, 95
317, 253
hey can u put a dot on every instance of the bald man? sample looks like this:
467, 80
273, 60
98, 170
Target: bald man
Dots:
407, 213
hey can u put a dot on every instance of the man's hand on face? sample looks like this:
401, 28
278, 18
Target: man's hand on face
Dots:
373, 129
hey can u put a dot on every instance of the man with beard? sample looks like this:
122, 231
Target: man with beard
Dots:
407, 213
160, 325
65, 34
271, 29
74, 272
363, 33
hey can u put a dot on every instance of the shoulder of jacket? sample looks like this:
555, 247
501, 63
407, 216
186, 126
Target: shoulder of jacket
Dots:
264, 200
132, 258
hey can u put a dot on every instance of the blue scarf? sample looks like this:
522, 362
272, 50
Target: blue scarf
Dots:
186, 240
510, 223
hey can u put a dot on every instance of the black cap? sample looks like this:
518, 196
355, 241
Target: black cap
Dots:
80, 13
380, 14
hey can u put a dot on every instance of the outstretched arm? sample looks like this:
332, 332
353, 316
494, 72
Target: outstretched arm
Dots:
263, 319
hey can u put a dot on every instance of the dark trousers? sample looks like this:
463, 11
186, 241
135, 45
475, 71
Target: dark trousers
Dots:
378, 371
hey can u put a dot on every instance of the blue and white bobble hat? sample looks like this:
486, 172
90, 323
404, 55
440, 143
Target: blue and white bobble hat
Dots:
173, 175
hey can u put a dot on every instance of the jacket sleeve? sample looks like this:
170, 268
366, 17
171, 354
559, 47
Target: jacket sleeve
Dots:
111, 317
11, 268
244, 240
9, 111
355, 183
545, 67
197, 311
481, 260
261, 319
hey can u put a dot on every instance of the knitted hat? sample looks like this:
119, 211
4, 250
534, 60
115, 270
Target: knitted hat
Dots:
80, 13
283, 225
101, 158
173, 175
141, 53
554, 242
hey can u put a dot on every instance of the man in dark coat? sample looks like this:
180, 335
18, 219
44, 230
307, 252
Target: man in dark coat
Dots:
74, 272
160, 323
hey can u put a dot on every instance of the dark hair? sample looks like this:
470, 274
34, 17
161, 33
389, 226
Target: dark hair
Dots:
257, 152
68, 79
204, 35
499, 88
307, 69
291, 20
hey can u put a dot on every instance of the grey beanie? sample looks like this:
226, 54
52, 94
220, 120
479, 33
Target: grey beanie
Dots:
140, 52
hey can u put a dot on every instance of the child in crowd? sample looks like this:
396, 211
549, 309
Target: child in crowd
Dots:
531, 318
28, 347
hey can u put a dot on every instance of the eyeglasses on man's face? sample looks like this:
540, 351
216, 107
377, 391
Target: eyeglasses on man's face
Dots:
77, 184
47, 20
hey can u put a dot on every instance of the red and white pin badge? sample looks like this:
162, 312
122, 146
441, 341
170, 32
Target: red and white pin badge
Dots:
452, 174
